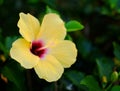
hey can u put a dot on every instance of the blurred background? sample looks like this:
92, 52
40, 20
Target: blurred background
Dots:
98, 61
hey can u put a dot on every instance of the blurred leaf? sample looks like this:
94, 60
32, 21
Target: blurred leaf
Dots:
113, 3
88, 9
51, 3
118, 10
75, 77
9, 41
84, 47
1, 2
15, 74
105, 11
115, 88
49, 10
5, 46
2, 47
116, 50
105, 67
73, 25
68, 37
91, 83
33, 1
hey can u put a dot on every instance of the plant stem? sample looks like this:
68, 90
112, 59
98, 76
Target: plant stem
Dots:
109, 86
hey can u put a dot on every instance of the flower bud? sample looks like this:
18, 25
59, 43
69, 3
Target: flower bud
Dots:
104, 79
114, 76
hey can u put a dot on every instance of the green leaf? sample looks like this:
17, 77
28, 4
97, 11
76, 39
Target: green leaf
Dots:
9, 41
105, 67
15, 74
91, 83
68, 37
116, 50
113, 3
115, 88
74, 76
73, 25
49, 10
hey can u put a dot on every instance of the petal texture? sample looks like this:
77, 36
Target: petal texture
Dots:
65, 52
29, 26
52, 28
49, 69
20, 51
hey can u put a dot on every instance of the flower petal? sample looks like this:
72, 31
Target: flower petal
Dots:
49, 69
20, 51
29, 26
65, 52
52, 28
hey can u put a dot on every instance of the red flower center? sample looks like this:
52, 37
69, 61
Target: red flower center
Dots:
38, 49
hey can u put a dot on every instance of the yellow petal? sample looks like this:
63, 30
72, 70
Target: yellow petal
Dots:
29, 26
65, 52
20, 51
52, 28
49, 69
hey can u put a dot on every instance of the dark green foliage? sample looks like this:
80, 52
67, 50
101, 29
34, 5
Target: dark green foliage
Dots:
115, 88
93, 25
15, 74
73, 26
91, 83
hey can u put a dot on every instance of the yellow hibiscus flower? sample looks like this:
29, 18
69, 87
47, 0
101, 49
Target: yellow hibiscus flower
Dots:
43, 46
